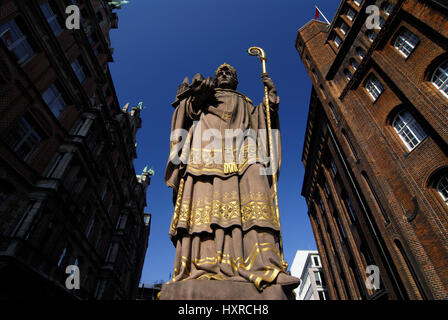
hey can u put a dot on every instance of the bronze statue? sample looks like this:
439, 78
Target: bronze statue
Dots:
225, 226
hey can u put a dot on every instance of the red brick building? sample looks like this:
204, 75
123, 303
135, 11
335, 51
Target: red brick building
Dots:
375, 151
69, 194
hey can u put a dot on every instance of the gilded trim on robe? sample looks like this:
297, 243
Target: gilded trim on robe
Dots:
224, 209
269, 274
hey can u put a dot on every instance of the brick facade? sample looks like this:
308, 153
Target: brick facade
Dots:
69, 194
373, 195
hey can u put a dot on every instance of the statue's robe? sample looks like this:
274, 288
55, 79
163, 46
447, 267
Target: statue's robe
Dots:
224, 225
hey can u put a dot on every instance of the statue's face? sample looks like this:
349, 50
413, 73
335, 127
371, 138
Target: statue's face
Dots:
225, 79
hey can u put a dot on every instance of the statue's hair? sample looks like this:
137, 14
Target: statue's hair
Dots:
232, 70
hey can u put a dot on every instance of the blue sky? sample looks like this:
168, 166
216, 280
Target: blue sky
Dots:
159, 42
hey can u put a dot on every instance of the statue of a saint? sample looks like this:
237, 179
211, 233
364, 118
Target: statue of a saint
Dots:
224, 225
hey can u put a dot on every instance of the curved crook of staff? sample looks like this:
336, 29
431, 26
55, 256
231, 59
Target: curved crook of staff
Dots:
257, 51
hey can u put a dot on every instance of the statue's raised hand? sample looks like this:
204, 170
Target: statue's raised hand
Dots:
202, 89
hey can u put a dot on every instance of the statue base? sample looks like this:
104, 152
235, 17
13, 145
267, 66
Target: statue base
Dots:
223, 290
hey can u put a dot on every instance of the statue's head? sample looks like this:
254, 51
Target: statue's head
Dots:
226, 77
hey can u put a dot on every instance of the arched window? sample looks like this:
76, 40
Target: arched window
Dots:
361, 52
440, 78
408, 129
354, 64
337, 40
371, 35
387, 7
347, 74
442, 188
343, 27
350, 13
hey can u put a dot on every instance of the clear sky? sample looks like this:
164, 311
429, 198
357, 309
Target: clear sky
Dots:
159, 42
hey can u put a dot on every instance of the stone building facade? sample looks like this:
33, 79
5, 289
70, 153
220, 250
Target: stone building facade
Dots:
69, 194
375, 150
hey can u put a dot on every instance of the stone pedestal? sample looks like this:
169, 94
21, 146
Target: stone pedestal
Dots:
223, 290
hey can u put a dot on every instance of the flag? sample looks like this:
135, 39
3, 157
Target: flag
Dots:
319, 13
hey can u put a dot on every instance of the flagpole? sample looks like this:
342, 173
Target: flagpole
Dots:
322, 14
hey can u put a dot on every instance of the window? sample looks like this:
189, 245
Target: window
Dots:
321, 294
354, 64
109, 207
357, 2
374, 87
408, 129
100, 287
327, 188
442, 188
103, 195
16, 41
147, 219
371, 35
337, 41
440, 78
352, 148
347, 74
322, 90
307, 58
350, 14
51, 18
90, 227
321, 205
333, 167
387, 7
343, 27
406, 42
61, 257
23, 139
316, 261
349, 206
78, 69
118, 225
360, 52
317, 278
111, 255
382, 22
334, 112
410, 269
340, 226
53, 98
54, 164
372, 190
99, 16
